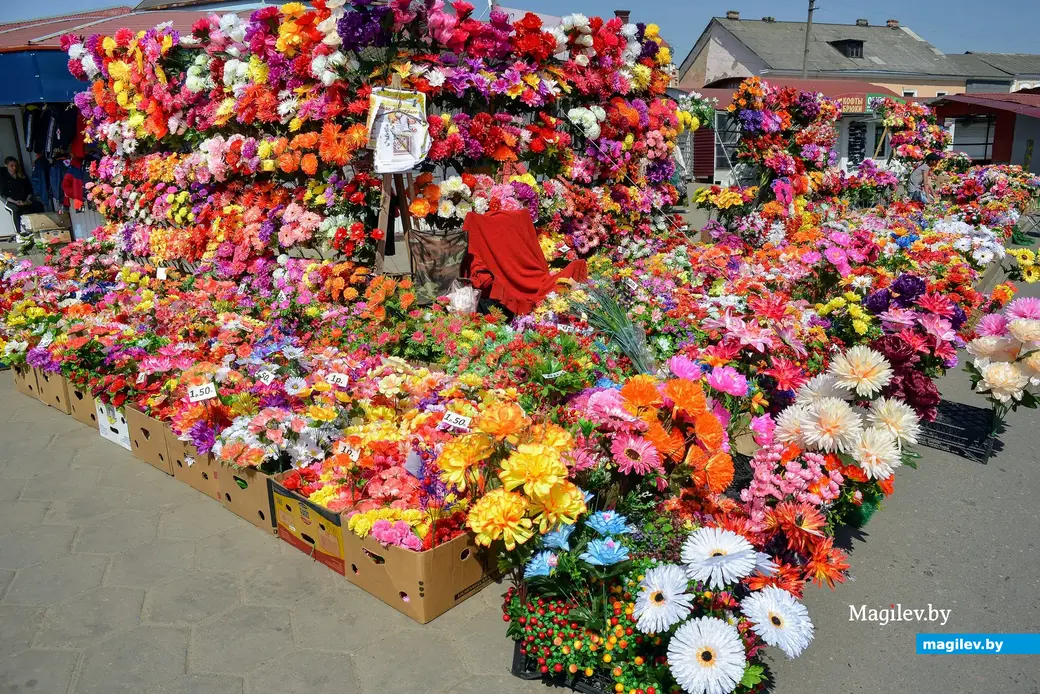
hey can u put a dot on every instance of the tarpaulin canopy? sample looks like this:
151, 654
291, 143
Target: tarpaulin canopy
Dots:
36, 77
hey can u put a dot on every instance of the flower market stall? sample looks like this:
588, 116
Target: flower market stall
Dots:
653, 439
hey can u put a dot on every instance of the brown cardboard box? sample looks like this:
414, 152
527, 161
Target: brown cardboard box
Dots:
148, 440
82, 405
112, 424
54, 390
422, 585
25, 381
197, 471
55, 235
310, 528
46, 221
246, 493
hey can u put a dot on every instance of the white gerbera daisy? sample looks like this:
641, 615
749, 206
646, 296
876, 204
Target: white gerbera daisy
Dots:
896, 416
718, 557
295, 385
764, 565
779, 619
820, 386
863, 370
662, 602
877, 453
832, 425
790, 425
706, 656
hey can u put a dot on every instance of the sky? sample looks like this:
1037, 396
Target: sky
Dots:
953, 26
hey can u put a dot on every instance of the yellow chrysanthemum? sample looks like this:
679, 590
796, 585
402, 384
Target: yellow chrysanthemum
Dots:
535, 467
563, 504
502, 421
460, 455
500, 515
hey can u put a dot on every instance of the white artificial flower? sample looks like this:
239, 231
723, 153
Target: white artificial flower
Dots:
896, 416
77, 51
446, 209
831, 425
706, 656
779, 619
993, 348
435, 77
820, 386
662, 601
582, 60
764, 565
790, 425
877, 452
861, 369
1031, 367
1025, 329
1004, 381
717, 557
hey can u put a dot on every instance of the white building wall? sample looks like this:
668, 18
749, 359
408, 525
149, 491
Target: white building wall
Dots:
1026, 129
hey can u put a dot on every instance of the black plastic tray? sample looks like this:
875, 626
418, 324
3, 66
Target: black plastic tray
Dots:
964, 430
526, 668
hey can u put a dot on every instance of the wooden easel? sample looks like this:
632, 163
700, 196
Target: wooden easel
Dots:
394, 185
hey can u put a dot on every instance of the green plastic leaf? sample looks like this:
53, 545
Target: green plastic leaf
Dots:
753, 675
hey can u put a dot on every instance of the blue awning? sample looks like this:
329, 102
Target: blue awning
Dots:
32, 77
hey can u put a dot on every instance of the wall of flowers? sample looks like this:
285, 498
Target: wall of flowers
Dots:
660, 455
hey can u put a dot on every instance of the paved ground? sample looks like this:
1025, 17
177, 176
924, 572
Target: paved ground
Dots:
116, 579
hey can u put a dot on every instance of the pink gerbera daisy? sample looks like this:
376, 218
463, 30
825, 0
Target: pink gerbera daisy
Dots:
635, 455
1024, 307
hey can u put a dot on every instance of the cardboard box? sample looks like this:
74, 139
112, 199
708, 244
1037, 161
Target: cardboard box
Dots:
246, 493
54, 390
197, 471
422, 585
25, 381
310, 528
112, 424
82, 405
148, 440
55, 236
46, 221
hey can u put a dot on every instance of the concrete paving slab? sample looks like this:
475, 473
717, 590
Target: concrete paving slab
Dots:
192, 598
58, 579
117, 532
202, 684
240, 641
85, 619
37, 671
134, 662
151, 563
27, 547
18, 625
306, 672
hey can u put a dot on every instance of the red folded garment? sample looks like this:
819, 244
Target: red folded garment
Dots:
505, 261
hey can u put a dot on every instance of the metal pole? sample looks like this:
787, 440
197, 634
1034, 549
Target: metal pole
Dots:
808, 29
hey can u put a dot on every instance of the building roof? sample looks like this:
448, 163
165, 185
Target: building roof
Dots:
1024, 103
88, 14
1010, 63
885, 50
975, 67
20, 36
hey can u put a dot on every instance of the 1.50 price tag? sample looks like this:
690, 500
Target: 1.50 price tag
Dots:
456, 421
553, 376
206, 391
631, 284
265, 377
337, 379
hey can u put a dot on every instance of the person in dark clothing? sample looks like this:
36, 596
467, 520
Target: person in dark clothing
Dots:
17, 192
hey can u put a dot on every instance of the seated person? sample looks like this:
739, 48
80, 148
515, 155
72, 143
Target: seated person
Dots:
17, 192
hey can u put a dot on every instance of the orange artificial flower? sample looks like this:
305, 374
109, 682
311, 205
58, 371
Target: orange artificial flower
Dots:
502, 420
687, 395
709, 430
711, 471
309, 164
640, 392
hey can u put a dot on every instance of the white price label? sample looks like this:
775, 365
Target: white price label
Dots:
567, 328
265, 377
337, 379
189, 461
160, 273
141, 378
354, 454
554, 375
565, 248
631, 284
457, 421
207, 391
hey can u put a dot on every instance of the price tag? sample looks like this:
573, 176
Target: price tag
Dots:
46, 340
265, 377
631, 284
567, 328
337, 379
554, 375
207, 391
189, 461
457, 421
354, 454
565, 248
160, 272
141, 378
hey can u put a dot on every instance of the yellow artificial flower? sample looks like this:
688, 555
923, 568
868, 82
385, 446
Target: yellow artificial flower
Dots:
563, 504
535, 467
1031, 274
500, 515
859, 326
503, 421
552, 435
461, 454
321, 414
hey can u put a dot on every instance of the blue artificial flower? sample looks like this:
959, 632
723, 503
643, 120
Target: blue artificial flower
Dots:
604, 552
559, 537
589, 496
609, 523
605, 382
541, 564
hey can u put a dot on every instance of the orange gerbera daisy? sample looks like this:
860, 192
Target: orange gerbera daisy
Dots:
711, 471
801, 523
640, 392
827, 564
687, 395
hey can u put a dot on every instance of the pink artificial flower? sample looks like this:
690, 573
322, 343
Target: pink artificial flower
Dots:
1024, 307
992, 325
684, 367
762, 428
635, 455
726, 379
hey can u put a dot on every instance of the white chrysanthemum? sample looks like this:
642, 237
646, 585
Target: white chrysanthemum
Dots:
779, 619
446, 209
863, 370
877, 452
820, 386
718, 557
896, 416
706, 656
1025, 329
1004, 381
662, 601
832, 425
994, 348
764, 565
1031, 367
790, 425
